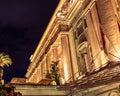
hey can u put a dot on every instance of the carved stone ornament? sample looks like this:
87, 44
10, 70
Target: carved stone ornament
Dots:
82, 48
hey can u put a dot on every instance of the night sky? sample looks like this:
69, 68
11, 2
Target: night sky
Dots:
22, 23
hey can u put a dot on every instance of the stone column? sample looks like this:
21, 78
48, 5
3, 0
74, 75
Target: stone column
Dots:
47, 62
73, 56
93, 35
39, 71
55, 54
66, 57
37, 74
34, 75
42, 70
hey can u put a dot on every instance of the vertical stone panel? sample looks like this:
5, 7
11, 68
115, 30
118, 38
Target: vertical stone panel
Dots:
93, 41
110, 28
55, 54
66, 57
73, 52
48, 62
102, 58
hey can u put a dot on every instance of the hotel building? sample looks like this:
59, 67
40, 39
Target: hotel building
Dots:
84, 36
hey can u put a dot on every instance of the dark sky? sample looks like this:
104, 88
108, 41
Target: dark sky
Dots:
22, 23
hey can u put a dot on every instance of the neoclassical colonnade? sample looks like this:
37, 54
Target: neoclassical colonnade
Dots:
82, 35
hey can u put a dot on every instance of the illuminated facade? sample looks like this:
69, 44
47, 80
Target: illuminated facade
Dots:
84, 35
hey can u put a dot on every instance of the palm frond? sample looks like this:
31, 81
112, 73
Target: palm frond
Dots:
5, 60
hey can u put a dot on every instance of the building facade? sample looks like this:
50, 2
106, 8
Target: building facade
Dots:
84, 36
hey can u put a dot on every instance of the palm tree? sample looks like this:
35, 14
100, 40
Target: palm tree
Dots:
5, 60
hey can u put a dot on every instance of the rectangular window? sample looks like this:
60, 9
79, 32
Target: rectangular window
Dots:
81, 28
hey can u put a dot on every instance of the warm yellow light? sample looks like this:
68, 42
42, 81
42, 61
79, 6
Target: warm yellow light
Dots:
66, 73
115, 53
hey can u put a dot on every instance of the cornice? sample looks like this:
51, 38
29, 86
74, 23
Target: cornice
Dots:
55, 26
46, 43
48, 28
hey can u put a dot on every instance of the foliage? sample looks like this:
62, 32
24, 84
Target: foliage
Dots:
8, 90
5, 60
53, 73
